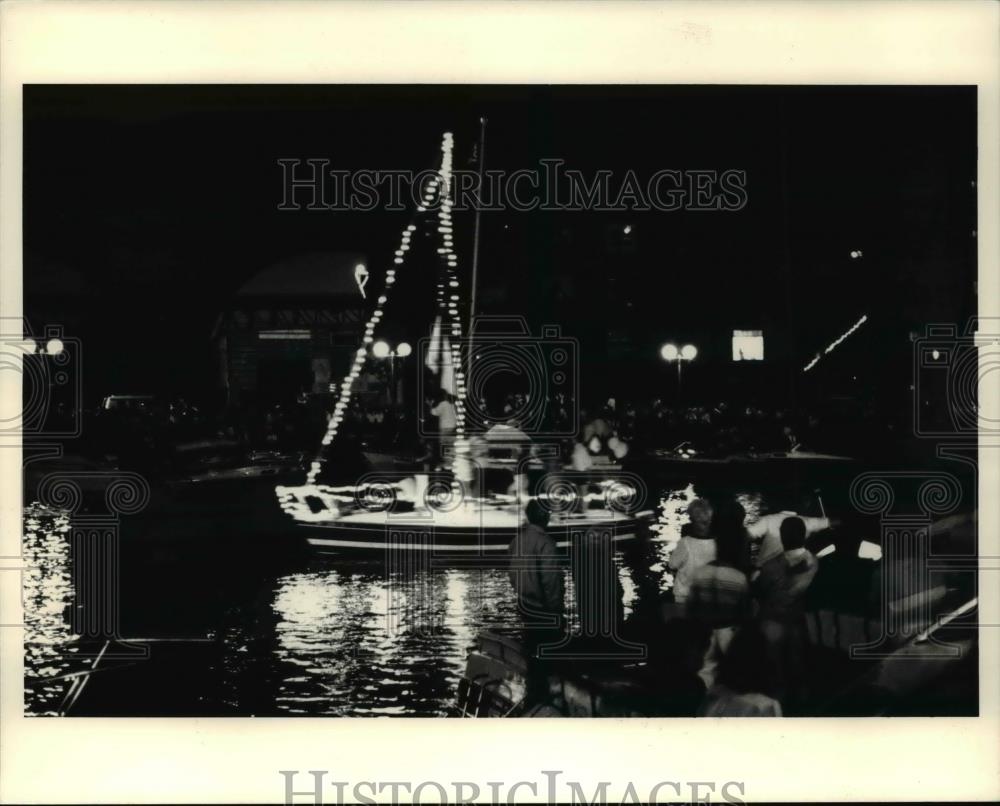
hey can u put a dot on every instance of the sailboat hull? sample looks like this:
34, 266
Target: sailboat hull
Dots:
470, 533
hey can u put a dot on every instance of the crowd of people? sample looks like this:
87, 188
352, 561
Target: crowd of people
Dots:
730, 638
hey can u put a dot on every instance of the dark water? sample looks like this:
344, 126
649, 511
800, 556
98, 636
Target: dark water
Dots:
303, 635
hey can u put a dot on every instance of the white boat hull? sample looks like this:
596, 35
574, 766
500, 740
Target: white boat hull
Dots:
470, 533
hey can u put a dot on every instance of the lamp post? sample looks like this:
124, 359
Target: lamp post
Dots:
670, 352
53, 346
381, 349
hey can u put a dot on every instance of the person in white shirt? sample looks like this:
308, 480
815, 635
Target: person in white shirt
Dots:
444, 410
695, 549
784, 579
766, 533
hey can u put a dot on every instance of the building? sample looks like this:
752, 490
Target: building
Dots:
291, 328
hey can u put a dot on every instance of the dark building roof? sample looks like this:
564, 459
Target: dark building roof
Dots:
321, 274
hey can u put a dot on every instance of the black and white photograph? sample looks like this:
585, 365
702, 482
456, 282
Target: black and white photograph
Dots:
500, 400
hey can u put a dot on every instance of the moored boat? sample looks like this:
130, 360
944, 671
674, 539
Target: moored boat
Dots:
412, 515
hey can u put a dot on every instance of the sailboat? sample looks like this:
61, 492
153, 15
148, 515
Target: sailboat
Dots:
444, 511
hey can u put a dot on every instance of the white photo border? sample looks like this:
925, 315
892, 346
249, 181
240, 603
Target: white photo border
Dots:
204, 41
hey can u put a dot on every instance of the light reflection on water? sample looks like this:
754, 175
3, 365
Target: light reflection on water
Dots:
666, 532
334, 636
349, 642
49, 643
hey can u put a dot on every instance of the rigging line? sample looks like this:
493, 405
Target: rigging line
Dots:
475, 241
835, 343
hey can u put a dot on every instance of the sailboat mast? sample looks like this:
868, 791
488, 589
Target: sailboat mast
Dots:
475, 244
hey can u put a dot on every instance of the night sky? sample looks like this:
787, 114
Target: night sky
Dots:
147, 207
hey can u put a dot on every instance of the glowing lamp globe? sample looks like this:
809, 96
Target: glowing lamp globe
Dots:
403, 349
53, 346
380, 349
668, 352
689, 352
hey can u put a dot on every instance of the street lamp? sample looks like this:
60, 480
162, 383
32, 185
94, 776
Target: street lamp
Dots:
53, 346
381, 349
670, 352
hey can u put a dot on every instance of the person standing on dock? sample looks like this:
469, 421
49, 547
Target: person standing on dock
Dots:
537, 576
536, 570
695, 549
784, 578
780, 589
719, 595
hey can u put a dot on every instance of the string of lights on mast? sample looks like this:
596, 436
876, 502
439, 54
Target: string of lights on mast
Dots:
448, 309
439, 187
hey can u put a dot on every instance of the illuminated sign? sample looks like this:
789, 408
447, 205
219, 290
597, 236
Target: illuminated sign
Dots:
748, 345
